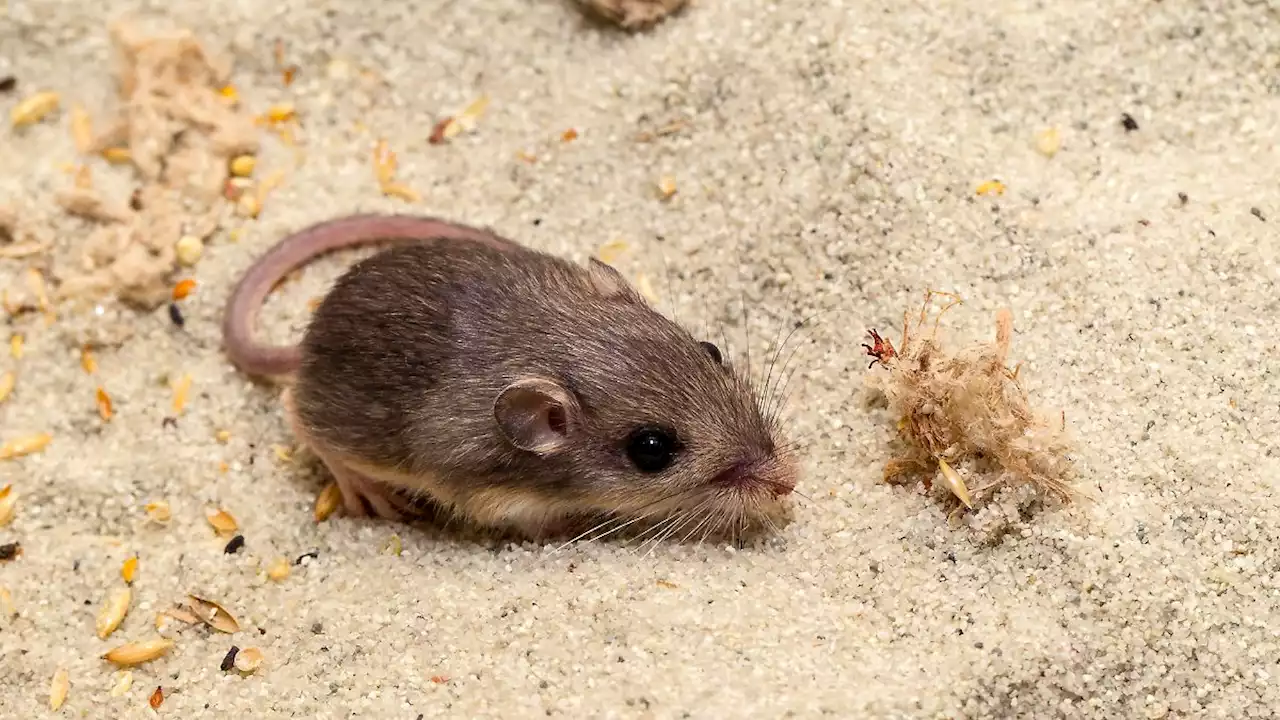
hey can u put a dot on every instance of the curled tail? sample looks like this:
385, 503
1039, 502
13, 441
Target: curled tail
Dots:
301, 247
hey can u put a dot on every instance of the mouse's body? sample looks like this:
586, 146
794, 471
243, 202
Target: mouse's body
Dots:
512, 387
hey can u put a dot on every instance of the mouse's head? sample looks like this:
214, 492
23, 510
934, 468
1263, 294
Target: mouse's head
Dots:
656, 422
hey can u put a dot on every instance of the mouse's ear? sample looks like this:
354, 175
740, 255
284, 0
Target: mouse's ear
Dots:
536, 414
609, 282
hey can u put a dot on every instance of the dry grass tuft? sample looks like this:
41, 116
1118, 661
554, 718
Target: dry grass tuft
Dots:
963, 417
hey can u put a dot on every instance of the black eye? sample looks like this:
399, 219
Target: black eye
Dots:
713, 351
651, 450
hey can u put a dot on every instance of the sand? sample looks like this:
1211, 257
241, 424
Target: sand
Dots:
830, 163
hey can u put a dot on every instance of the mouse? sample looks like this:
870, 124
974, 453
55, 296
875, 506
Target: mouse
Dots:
511, 388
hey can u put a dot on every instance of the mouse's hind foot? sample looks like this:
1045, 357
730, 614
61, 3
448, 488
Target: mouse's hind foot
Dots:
363, 496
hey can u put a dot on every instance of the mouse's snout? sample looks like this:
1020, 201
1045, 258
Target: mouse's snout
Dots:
768, 474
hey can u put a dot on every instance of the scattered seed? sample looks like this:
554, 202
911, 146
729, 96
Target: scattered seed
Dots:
611, 251
248, 660
181, 388
282, 453
105, 408
314, 554
7, 605
234, 545
223, 436
124, 681
666, 187
991, 187
183, 289
569, 135
229, 94
1128, 123
221, 520
955, 483
249, 206
8, 503
175, 315
282, 113
214, 615
278, 569
87, 361
242, 166
667, 584
10, 551
113, 612
229, 660
34, 109
117, 155
1257, 212
157, 698
1049, 142
81, 129
15, 346
25, 446
402, 192
182, 614
189, 248
7, 381
158, 512
58, 688
327, 502
129, 570
439, 679
8, 83
393, 546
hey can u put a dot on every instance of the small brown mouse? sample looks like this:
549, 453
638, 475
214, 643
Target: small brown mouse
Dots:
511, 387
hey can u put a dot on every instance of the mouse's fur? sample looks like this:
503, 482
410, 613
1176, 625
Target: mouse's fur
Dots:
502, 384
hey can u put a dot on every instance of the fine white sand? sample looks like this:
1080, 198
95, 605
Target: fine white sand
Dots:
829, 164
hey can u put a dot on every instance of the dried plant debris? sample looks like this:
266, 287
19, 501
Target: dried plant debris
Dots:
963, 417
632, 14
179, 133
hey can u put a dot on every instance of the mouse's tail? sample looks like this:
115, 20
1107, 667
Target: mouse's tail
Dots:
301, 247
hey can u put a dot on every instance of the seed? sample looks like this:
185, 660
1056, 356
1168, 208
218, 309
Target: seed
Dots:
991, 187
117, 155
6, 603
135, 653
181, 388
394, 546
248, 660
327, 502
81, 129
214, 615
8, 503
401, 191
7, 381
223, 436
221, 520
175, 315
34, 109
58, 688
158, 512
10, 551
666, 187
249, 205
105, 409
278, 569
229, 660
113, 612
228, 93
282, 453
234, 546
189, 249
569, 135
183, 288
87, 361
129, 569
242, 166
281, 113
157, 698
1049, 142
15, 346
955, 483
124, 681
611, 251
25, 446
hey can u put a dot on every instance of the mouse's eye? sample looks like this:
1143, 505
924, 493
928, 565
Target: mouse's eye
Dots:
651, 449
713, 351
